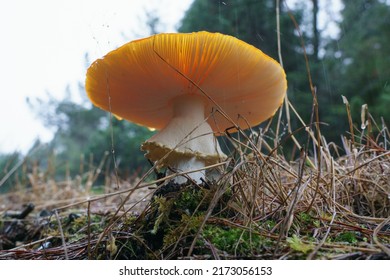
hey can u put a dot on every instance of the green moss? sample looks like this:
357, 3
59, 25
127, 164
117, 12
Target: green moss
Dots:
307, 221
193, 199
163, 210
234, 241
304, 217
317, 223
298, 245
188, 226
80, 224
269, 224
74, 226
349, 237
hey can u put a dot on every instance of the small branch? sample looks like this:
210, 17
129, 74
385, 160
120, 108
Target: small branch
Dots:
375, 237
62, 234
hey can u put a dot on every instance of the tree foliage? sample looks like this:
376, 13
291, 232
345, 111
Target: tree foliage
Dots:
84, 132
361, 68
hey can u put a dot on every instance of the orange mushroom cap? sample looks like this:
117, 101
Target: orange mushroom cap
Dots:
139, 80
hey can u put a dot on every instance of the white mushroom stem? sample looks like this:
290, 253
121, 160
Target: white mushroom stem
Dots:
187, 142
186, 166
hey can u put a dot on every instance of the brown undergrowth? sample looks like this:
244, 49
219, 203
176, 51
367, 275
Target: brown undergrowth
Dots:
322, 206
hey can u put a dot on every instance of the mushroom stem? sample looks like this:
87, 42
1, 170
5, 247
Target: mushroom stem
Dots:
186, 165
187, 142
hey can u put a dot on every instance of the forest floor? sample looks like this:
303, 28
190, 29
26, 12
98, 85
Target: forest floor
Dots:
326, 206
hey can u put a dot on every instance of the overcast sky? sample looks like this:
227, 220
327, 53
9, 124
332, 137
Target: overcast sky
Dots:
43, 43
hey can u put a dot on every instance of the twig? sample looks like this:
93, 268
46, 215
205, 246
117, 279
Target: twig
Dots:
62, 234
314, 252
89, 229
24, 246
322, 242
281, 64
375, 236
368, 162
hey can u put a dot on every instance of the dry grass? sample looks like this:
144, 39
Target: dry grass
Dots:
318, 206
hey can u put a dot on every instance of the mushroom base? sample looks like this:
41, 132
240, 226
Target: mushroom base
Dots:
188, 166
187, 142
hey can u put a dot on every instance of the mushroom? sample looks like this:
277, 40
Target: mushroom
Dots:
173, 82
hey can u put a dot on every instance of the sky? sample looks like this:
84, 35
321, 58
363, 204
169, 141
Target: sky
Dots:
42, 49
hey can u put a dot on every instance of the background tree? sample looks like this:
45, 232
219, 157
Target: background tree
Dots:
9, 177
84, 132
359, 59
316, 32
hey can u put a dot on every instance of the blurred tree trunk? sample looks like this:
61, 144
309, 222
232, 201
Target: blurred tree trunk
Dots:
316, 35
